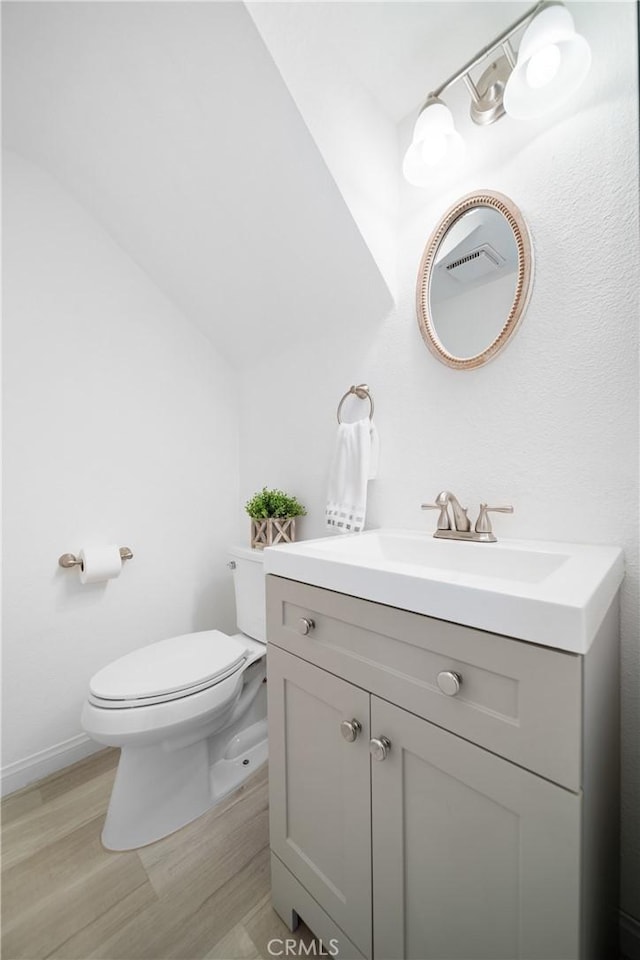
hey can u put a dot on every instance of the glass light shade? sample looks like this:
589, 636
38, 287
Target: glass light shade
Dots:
542, 67
553, 61
435, 144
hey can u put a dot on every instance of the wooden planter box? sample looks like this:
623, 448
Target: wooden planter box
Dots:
265, 533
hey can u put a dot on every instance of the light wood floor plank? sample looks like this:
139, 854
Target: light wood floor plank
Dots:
217, 915
155, 935
202, 891
237, 944
64, 780
107, 925
17, 804
55, 819
69, 860
51, 920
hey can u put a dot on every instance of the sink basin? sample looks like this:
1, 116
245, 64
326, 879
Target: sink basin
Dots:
555, 594
413, 550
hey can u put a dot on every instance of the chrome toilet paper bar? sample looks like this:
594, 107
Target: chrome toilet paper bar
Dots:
70, 560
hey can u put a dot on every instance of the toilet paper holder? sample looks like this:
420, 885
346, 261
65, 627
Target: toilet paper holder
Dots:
70, 560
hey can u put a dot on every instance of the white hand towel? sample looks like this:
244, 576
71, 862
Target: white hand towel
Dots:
355, 462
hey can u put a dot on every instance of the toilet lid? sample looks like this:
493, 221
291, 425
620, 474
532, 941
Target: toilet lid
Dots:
169, 667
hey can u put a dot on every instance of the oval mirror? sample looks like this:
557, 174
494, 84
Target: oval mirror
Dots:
474, 280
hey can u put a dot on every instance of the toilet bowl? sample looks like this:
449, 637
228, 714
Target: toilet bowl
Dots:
189, 714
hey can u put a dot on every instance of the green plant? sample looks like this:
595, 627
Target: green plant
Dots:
273, 503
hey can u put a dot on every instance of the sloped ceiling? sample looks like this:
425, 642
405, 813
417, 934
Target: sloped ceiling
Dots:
171, 124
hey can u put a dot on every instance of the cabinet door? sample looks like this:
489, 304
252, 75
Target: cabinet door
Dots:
474, 858
319, 786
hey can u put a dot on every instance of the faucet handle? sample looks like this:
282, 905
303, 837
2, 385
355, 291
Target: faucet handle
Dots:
444, 522
483, 523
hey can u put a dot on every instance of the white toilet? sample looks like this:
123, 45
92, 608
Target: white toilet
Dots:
190, 714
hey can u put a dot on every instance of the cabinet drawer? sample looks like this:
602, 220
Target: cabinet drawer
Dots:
520, 701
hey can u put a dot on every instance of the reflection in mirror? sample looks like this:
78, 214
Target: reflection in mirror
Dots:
474, 280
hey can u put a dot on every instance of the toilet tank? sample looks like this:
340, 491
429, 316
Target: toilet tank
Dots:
248, 582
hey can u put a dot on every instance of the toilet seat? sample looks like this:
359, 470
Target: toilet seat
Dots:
168, 670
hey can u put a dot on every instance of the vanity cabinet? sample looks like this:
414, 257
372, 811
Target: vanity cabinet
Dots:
320, 803
485, 828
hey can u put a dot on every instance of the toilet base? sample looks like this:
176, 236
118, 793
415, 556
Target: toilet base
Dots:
158, 791
155, 792
230, 772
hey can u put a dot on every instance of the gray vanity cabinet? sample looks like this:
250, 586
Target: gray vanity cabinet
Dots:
320, 795
473, 857
442, 848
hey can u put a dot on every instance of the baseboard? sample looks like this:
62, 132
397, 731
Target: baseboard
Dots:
629, 936
20, 774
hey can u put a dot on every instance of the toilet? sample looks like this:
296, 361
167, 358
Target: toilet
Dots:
190, 716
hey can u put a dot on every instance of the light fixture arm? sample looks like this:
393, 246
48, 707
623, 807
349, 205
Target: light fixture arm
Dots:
501, 40
552, 61
509, 54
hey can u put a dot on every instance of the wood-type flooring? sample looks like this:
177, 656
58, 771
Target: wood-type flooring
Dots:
201, 893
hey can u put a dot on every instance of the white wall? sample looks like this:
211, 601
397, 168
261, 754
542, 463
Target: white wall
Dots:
171, 125
354, 135
551, 425
119, 425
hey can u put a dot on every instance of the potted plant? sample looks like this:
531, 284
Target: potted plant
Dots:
273, 517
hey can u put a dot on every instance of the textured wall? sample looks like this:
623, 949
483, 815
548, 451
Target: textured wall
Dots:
119, 425
551, 425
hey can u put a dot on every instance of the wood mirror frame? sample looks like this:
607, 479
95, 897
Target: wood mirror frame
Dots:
515, 220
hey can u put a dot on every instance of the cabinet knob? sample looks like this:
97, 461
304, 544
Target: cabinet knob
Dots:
449, 682
305, 625
350, 730
379, 747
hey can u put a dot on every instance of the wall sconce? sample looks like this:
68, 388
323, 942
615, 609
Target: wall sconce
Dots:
551, 64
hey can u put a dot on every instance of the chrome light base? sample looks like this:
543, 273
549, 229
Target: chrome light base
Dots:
486, 99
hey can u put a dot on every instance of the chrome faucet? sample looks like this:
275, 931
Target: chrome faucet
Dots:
460, 518
461, 528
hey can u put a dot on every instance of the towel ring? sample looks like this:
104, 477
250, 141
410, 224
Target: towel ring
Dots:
362, 393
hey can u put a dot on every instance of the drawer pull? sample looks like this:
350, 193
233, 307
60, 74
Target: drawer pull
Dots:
449, 682
379, 747
350, 730
305, 625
